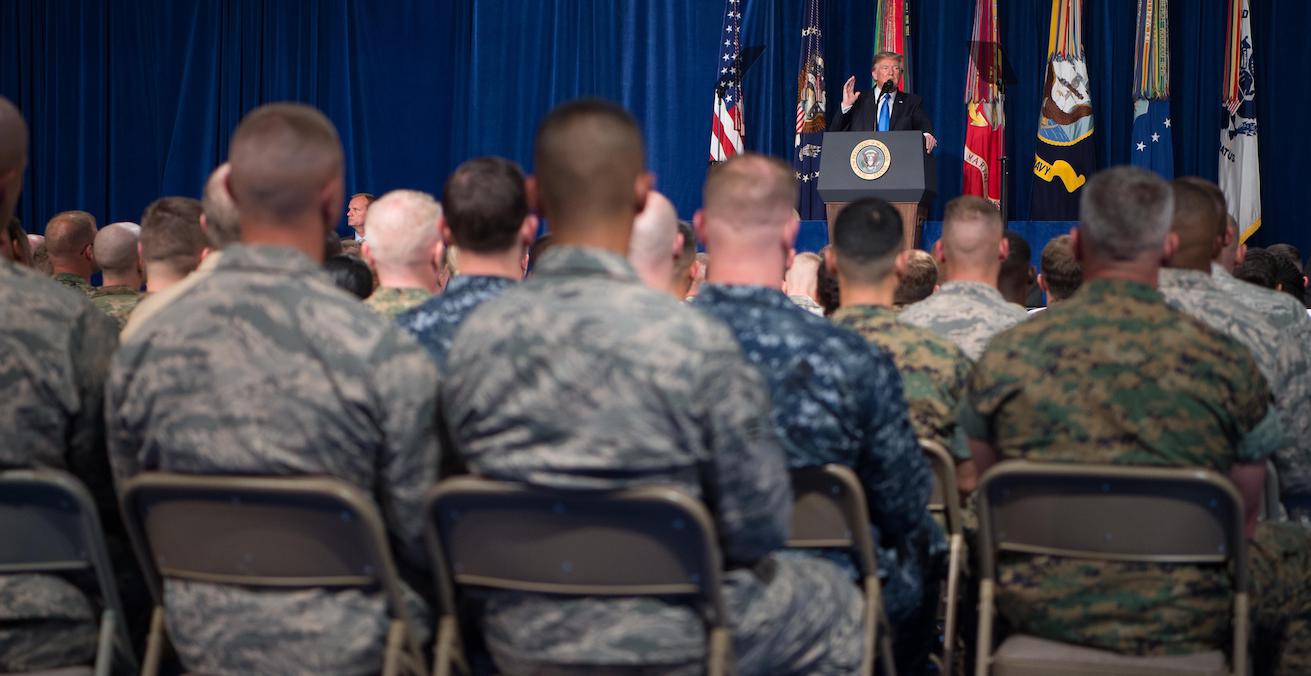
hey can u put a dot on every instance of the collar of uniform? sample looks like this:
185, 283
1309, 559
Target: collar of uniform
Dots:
973, 289
116, 290
461, 283
746, 293
1174, 278
1106, 289
277, 259
577, 261
864, 312
70, 277
1218, 270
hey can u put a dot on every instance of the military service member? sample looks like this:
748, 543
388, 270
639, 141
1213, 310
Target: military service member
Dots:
967, 308
486, 217
655, 242
70, 243
1069, 386
119, 258
1061, 275
584, 378
833, 398
404, 249
263, 368
686, 264
172, 241
918, 282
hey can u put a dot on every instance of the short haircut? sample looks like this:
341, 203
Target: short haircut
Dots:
368, 197
350, 274
1124, 212
1258, 267
971, 230
867, 237
1288, 277
919, 280
1198, 219
886, 56
485, 203
116, 248
750, 190
654, 232
1060, 269
171, 234
828, 293
687, 253
1015, 268
222, 224
540, 246
68, 232
282, 156
1287, 251
402, 228
587, 155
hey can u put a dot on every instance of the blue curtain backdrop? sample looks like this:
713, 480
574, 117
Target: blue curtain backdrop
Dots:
132, 99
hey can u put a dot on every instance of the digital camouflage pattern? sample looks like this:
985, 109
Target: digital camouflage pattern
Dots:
435, 321
807, 303
1114, 375
967, 313
583, 378
263, 367
116, 301
154, 301
72, 281
391, 301
933, 370
54, 354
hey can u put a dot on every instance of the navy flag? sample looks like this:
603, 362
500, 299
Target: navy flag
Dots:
1065, 156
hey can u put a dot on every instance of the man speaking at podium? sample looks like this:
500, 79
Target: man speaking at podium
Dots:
884, 108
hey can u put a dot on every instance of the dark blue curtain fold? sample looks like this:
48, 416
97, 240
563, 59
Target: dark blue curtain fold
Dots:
132, 99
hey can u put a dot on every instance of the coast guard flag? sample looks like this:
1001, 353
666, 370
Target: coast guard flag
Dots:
726, 128
810, 116
1064, 158
984, 106
1240, 173
1152, 148
892, 34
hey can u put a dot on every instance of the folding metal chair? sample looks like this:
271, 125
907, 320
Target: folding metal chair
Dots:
265, 532
829, 512
1108, 513
49, 524
649, 541
945, 507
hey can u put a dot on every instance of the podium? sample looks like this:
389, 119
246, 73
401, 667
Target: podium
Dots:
890, 165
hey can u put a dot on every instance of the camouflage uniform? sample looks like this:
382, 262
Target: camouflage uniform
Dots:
1115, 375
969, 313
807, 303
116, 301
434, 323
153, 301
583, 378
263, 367
54, 354
391, 301
74, 282
933, 370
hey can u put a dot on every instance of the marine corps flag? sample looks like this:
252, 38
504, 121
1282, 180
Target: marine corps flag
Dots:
810, 115
1065, 157
984, 105
1240, 173
892, 34
1152, 147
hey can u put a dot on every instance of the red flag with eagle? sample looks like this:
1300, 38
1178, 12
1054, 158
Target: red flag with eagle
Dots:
984, 105
726, 128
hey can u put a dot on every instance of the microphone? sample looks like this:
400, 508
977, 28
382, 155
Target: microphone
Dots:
889, 87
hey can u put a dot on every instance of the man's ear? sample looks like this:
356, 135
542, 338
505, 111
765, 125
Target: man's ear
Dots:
830, 261
1003, 249
699, 224
1042, 283
528, 230
444, 229
899, 264
531, 192
1170, 246
939, 252
1076, 244
1240, 255
641, 188
367, 254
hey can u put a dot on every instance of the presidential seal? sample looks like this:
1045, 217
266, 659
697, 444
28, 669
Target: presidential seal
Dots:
870, 159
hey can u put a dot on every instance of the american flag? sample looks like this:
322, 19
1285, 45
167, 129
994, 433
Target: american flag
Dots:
726, 128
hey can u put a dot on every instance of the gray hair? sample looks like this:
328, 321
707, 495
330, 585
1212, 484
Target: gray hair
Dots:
1125, 211
402, 227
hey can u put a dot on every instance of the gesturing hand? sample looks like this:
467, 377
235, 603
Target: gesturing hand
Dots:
849, 93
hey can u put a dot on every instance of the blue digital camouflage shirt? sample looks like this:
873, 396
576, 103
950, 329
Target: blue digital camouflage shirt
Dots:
435, 321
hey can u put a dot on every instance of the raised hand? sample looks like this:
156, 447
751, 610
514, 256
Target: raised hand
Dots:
849, 93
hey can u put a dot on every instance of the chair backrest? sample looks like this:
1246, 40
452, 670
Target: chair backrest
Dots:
1117, 513
829, 512
640, 541
944, 503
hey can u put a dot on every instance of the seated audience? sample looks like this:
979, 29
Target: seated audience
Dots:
1061, 275
1016, 279
833, 397
584, 335
404, 250
263, 368
40, 255
486, 217
702, 267
70, 243
687, 266
357, 210
1288, 277
801, 283
826, 288
172, 241
1287, 251
350, 274
655, 242
1258, 267
918, 282
20, 247
1114, 375
118, 255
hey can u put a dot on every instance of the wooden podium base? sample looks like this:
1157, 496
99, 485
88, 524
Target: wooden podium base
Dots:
912, 220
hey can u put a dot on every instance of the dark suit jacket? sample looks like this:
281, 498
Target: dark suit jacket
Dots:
907, 114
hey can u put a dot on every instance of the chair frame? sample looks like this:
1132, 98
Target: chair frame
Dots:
836, 488
945, 503
113, 642
446, 501
403, 652
1050, 479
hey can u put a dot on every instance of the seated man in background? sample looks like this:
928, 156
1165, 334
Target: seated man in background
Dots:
584, 378
70, 242
404, 249
1017, 276
833, 397
350, 274
486, 216
918, 282
118, 255
261, 367
1069, 386
172, 241
801, 283
20, 247
686, 263
1061, 275
655, 242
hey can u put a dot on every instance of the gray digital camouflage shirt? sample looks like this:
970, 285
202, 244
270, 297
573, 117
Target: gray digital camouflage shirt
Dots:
969, 313
582, 378
265, 368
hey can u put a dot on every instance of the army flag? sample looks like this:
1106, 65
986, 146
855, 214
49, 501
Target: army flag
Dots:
1152, 148
1240, 173
1065, 156
726, 127
810, 115
892, 34
984, 106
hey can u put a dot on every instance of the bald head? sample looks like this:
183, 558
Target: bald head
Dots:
590, 166
1198, 220
220, 223
972, 236
13, 158
750, 194
403, 234
653, 246
286, 166
117, 255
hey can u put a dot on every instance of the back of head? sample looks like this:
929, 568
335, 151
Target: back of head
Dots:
13, 157
686, 252
802, 277
1015, 276
1287, 251
919, 279
1288, 278
283, 157
1124, 216
485, 203
1228, 256
1259, 267
971, 236
402, 227
749, 200
1060, 269
116, 248
171, 234
68, 233
867, 237
540, 246
18, 244
588, 158
350, 274
655, 231
1198, 220
222, 224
